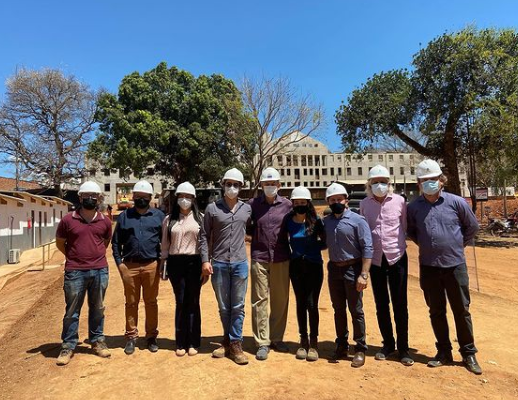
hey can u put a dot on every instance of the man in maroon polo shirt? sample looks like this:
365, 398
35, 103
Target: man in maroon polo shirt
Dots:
82, 236
270, 266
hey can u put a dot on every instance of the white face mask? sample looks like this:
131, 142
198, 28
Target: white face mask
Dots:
231, 192
270, 191
184, 203
380, 189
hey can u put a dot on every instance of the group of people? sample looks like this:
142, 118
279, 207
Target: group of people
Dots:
287, 238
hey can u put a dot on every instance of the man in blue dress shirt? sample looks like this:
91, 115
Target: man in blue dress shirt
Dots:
349, 240
442, 224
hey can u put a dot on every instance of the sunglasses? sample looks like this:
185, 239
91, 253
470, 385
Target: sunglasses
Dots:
229, 185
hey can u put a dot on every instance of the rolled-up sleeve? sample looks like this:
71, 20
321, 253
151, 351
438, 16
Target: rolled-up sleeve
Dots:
365, 238
205, 235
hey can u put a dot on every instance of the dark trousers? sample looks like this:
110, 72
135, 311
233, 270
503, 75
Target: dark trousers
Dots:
342, 289
437, 284
306, 278
394, 278
184, 272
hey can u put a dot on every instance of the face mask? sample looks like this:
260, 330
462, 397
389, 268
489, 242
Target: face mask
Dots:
430, 187
380, 189
270, 191
142, 203
337, 208
301, 209
89, 204
231, 192
184, 203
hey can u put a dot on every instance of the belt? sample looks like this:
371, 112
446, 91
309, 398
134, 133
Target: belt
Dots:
139, 260
346, 263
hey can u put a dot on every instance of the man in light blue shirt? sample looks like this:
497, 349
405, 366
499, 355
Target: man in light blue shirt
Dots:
441, 224
349, 240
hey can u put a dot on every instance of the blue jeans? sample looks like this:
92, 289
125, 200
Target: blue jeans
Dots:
229, 281
77, 284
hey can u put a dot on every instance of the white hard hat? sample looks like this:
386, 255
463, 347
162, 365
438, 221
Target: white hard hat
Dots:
300, 192
89, 187
235, 175
186, 187
143, 187
379, 171
428, 169
270, 174
336, 188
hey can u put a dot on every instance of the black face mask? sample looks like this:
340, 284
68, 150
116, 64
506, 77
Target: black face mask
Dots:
301, 209
142, 203
337, 208
89, 204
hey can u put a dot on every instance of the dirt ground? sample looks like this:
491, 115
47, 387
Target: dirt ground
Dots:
29, 345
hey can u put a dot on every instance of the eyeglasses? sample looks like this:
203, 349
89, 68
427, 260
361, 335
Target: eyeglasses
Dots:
230, 184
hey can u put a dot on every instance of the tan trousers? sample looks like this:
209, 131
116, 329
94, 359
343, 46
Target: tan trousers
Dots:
270, 284
134, 277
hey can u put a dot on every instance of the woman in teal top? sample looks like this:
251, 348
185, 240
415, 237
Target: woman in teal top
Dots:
307, 239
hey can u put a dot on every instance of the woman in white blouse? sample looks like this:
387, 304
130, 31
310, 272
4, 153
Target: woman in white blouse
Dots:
180, 231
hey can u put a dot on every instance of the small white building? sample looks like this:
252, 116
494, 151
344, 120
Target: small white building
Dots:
28, 220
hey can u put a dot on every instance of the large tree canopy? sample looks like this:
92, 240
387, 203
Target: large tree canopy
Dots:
460, 95
188, 128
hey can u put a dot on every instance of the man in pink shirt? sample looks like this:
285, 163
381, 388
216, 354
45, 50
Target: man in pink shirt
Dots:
385, 213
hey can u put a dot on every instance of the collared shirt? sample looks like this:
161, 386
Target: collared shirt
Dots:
222, 235
347, 237
137, 236
302, 244
184, 236
269, 238
441, 229
387, 221
84, 241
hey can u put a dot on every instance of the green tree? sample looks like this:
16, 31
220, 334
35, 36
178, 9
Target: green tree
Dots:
188, 128
454, 95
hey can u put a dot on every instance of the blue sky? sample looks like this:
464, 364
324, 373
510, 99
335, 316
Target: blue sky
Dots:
326, 47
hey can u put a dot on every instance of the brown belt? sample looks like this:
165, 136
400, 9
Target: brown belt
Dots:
347, 263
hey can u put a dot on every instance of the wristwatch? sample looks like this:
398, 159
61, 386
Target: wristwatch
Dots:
364, 275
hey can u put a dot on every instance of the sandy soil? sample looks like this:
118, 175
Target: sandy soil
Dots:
29, 347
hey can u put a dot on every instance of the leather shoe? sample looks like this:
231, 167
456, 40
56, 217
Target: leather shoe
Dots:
152, 345
340, 352
358, 359
440, 360
130, 346
472, 365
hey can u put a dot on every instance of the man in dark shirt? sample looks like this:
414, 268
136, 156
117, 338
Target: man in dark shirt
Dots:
270, 266
136, 250
82, 236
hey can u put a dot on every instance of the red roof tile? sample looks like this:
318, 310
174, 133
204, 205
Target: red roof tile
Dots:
10, 184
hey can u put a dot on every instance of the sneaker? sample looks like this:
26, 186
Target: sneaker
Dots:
262, 353
313, 350
280, 346
223, 350
192, 351
406, 359
302, 351
340, 352
441, 359
101, 349
130, 346
472, 365
180, 352
152, 345
384, 353
64, 356
236, 353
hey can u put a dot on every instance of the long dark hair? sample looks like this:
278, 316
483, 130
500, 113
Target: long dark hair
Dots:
311, 218
174, 215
